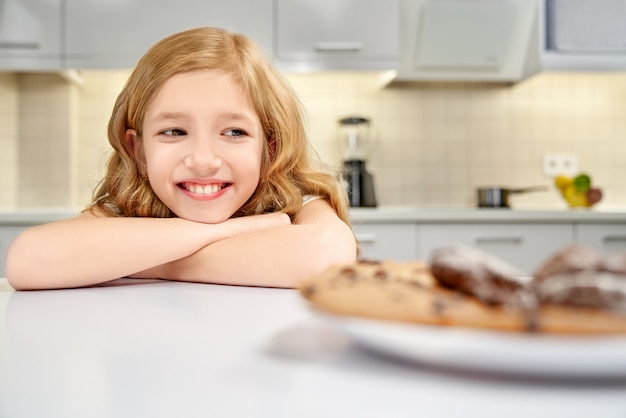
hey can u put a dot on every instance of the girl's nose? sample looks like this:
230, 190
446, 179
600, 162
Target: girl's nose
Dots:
203, 157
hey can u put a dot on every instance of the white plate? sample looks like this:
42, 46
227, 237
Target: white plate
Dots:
493, 351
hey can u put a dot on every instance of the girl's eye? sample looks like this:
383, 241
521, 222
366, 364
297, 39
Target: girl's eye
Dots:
235, 133
173, 132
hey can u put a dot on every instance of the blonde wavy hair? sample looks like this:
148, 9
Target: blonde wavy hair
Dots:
288, 168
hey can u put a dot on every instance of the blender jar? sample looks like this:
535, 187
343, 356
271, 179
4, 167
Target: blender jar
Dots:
355, 138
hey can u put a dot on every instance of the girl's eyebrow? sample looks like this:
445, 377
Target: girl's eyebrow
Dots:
228, 116
235, 116
169, 116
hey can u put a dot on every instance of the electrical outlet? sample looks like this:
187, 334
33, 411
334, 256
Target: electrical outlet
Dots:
560, 164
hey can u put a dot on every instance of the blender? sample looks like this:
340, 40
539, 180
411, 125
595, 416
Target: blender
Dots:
357, 143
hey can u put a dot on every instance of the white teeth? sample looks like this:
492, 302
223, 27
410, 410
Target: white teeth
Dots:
203, 189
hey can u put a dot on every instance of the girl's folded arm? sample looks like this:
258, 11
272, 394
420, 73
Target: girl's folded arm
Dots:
87, 250
278, 257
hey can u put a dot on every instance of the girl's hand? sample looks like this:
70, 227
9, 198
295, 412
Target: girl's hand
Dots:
259, 222
254, 223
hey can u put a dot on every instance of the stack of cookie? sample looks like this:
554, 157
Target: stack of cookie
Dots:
576, 290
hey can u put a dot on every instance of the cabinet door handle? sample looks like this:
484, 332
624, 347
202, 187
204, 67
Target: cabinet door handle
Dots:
19, 45
503, 239
339, 46
366, 237
614, 238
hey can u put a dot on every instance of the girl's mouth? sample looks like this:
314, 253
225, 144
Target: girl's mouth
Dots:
203, 189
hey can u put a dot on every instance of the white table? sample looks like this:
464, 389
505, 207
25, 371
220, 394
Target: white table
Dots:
163, 349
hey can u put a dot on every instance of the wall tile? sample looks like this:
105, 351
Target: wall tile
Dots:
44, 175
435, 142
8, 139
464, 136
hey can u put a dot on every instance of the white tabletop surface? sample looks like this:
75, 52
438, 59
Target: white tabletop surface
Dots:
164, 349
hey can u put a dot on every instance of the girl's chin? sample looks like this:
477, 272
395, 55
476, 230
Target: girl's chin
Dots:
204, 219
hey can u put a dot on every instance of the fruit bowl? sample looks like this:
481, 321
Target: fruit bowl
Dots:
578, 191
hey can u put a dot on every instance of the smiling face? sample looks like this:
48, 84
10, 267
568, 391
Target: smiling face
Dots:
201, 146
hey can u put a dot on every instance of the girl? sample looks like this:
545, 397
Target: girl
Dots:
210, 180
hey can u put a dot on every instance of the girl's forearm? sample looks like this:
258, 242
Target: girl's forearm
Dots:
280, 257
87, 250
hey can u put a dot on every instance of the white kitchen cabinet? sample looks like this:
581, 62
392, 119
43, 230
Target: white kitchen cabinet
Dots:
387, 241
30, 35
605, 237
337, 34
7, 234
523, 245
582, 35
115, 34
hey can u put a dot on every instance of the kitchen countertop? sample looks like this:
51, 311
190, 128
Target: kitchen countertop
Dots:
387, 214
164, 349
391, 214
35, 216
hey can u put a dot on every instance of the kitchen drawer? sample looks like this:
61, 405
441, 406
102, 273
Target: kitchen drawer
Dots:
387, 241
607, 238
523, 245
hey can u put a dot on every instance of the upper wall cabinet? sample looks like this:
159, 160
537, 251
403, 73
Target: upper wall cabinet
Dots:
30, 35
583, 35
337, 34
115, 34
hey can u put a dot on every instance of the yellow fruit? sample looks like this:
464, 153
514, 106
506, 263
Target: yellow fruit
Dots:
575, 198
561, 182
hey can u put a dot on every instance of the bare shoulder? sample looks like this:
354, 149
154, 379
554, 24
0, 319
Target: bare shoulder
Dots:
333, 236
317, 210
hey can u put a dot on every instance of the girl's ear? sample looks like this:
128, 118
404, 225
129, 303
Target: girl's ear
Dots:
133, 144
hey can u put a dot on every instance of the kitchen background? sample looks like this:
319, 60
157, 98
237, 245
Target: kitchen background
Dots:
484, 89
436, 142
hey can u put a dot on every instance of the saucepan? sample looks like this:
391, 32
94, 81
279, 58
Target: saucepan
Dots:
498, 197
